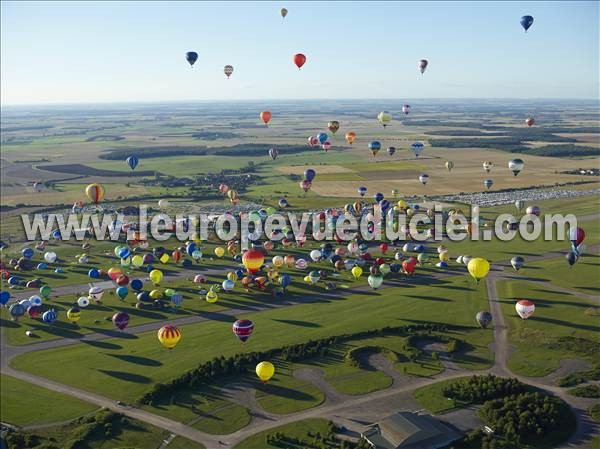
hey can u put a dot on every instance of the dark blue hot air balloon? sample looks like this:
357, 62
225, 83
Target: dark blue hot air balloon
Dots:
362, 190
384, 205
4, 297
378, 197
191, 57
132, 161
309, 174
526, 22
136, 284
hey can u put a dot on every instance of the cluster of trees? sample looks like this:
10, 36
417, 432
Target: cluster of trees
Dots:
579, 377
563, 150
477, 389
246, 149
586, 391
102, 425
327, 441
528, 417
359, 356
242, 363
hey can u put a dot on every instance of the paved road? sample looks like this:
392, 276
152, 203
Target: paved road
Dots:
373, 405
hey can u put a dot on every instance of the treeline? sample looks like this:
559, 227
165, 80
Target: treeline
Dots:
567, 150
518, 145
579, 377
586, 391
249, 149
359, 356
242, 363
478, 389
529, 418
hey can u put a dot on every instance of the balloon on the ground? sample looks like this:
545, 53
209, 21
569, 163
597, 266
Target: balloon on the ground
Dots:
83, 302
49, 316
73, 314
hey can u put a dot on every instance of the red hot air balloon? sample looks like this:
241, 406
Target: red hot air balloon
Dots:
305, 185
529, 121
384, 248
409, 265
253, 260
299, 60
243, 329
265, 116
120, 320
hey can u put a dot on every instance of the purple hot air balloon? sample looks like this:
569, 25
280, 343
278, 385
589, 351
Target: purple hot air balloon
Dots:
120, 320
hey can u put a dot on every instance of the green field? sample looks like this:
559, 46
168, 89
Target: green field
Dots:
25, 404
302, 430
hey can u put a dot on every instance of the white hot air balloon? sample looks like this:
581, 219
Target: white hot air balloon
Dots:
525, 308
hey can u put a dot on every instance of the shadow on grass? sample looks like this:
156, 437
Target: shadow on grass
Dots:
102, 344
298, 323
136, 360
128, 377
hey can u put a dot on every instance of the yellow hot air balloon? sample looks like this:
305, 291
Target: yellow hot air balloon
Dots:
444, 256
384, 118
219, 251
350, 137
233, 196
211, 297
156, 276
478, 268
401, 204
277, 261
164, 258
169, 336
449, 165
232, 276
73, 314
156, 294
264, 371
95, 192
137, 261
356, 272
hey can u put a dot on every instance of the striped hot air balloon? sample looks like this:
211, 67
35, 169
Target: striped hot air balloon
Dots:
169, 336
243, 329
253, 260
95, 192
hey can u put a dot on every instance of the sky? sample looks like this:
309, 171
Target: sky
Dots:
88, 52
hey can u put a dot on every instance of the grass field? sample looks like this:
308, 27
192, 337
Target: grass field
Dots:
557, 315
128, 381
302, 430
26, 404
431, 397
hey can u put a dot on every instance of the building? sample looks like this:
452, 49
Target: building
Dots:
407, 430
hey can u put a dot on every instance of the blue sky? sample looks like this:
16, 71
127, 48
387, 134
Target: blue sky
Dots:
70, 52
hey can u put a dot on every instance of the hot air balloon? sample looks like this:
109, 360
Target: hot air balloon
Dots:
356, 272
228, 70
95, 192
265, 116
530, 121
375, 146
95, 293
309, 174
519, 204
223, 189
191, 57
121, 320
83, 302
132, 161
576, 237
384, 118
333, 126
253, 259
525, 308
449, 165
322, 138
483, 318
169, 336
515, 166
526, 22
305, 185
417, 148
423, 178
264, 371
243, 329
283, 12
233, 196
572, 258
488, 183
273, 152
73, 314
409, 265
406, 109
38, 186
326, 146
423, 63
375, 281
49, 316
517, 262
487, 166
362, 190
350, 137
16, 311
299, 60
478, 268
155, 276
391, 150
533, 210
